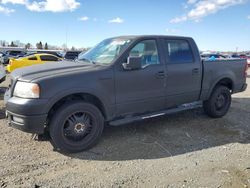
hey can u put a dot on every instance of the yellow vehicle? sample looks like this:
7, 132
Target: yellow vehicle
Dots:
31, 60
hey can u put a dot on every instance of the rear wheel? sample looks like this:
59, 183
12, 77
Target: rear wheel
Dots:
219, 102
76, 126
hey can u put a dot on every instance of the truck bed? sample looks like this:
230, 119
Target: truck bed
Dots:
215, 70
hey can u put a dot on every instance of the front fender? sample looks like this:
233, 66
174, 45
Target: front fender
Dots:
107, 104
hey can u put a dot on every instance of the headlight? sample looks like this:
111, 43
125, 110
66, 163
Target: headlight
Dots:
27, 90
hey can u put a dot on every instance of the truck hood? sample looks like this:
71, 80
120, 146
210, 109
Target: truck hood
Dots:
50, 69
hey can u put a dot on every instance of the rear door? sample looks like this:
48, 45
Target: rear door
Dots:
184, 71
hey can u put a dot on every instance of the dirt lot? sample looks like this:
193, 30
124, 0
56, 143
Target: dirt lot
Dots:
182, 150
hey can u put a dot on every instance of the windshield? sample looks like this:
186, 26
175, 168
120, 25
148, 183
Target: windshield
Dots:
105, 52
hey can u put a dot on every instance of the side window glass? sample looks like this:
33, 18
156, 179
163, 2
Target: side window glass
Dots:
179, 51
43, 58
14, 53
147, 50
32, 58
48, 58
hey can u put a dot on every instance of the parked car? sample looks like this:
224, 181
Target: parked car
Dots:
243, 56
71, 55
2, 73
55, 53
121, 80
31, 60
248, 60
11, 54
216, 56
235, 56
1, 54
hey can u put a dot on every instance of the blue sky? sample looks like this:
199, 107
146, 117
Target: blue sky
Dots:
214, 24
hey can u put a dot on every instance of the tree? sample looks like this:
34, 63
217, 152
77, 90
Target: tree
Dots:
12, 44
4, 44
39, 45
46, 46
27, 46
73, 48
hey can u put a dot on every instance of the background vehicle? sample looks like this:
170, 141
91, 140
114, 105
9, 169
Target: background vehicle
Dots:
235, 56
2, 73
216, 56
243, 56
52, 52
121, 80
71, 55
31, 60
248, 60
11, 54
1, 54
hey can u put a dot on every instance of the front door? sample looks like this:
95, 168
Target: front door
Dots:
141, 91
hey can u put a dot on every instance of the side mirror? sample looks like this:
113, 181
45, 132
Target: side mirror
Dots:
133, 63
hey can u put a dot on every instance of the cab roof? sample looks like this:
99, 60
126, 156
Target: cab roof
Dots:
134, 37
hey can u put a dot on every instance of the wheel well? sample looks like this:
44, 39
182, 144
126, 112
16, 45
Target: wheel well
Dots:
226, 82
78, 96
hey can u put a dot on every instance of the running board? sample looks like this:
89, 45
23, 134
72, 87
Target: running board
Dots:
180, 108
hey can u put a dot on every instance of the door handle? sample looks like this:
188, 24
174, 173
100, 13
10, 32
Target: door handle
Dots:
196, 71
160, 75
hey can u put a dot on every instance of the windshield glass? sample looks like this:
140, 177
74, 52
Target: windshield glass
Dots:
105, 52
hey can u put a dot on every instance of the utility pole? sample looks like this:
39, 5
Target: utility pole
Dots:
66, 42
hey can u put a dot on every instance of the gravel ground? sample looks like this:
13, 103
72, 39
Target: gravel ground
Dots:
187, 149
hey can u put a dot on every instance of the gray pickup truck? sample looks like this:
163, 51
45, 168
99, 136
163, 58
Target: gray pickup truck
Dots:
121, 80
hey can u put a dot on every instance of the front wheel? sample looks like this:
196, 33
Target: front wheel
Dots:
76, 126
218, 103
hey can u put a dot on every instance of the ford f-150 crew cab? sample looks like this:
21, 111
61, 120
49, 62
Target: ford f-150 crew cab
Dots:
120, 80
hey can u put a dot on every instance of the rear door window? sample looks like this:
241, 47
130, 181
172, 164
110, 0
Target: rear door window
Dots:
179, 51
48, 58
32, 58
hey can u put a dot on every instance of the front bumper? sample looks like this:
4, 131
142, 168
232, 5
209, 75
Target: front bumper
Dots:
30, 124
28, 115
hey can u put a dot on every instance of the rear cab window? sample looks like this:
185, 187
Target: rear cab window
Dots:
178, 51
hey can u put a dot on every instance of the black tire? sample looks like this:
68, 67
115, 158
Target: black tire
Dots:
76, 126
218, 103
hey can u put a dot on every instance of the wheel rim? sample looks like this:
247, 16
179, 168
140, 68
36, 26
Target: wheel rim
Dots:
77, 126
221, 101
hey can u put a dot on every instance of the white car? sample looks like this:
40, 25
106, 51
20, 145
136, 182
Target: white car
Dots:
2, 73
